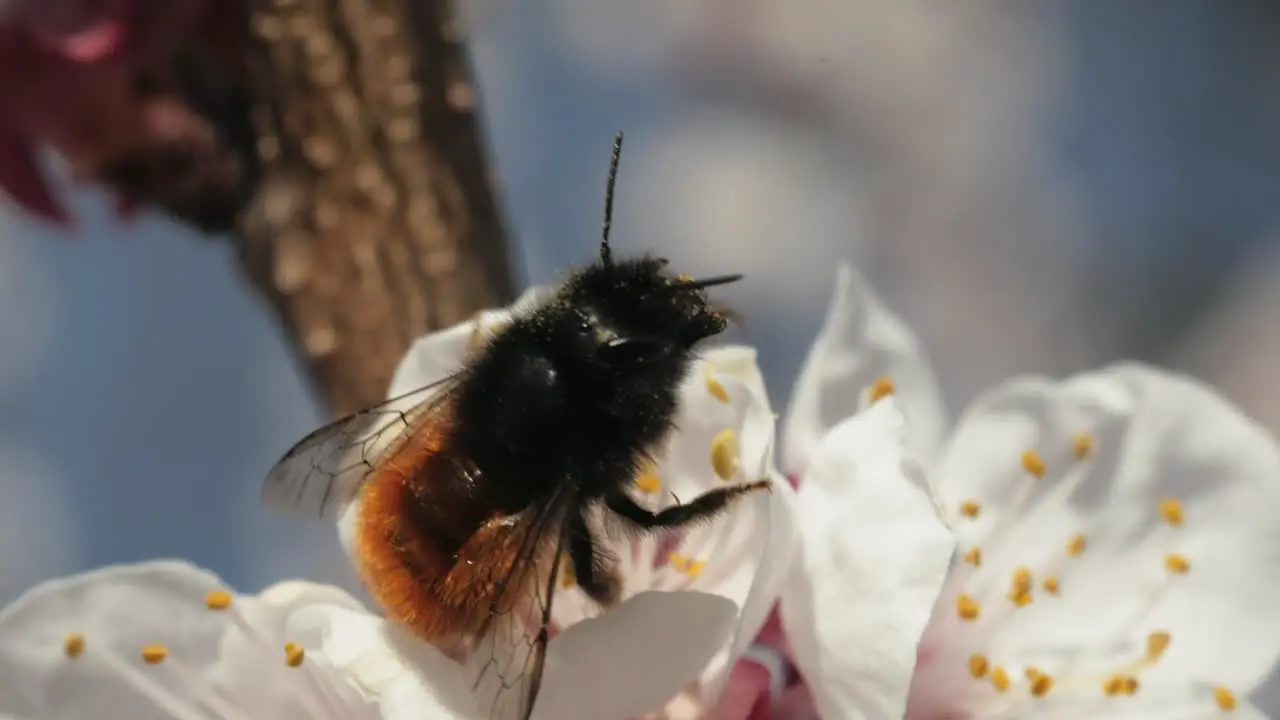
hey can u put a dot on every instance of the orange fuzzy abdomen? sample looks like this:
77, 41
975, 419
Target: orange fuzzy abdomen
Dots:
431, 552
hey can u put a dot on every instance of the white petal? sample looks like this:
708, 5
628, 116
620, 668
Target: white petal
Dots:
860, 341
119, 610
634, 658
1155, 435
874, 554
409, 678
1182, 702
685, 465
435, 356
293, 594
745, 552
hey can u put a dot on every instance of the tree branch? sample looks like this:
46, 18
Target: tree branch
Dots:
372, 219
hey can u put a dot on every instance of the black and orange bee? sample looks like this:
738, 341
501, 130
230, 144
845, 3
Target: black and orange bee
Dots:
471, 491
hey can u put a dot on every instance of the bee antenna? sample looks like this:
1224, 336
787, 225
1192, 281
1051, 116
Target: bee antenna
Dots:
606, 253
700, 283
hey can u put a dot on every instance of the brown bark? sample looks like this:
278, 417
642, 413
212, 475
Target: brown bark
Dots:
373, 219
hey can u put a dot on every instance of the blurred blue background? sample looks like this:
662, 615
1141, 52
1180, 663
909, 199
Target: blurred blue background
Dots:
1036, 187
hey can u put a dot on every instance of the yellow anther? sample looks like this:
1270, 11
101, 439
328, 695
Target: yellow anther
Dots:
1022, 578
970, 509
967, 608
1113, 685
973, 556
724, 454
686, 565
1171, 511
1031, 672
999, 679
73, 645
293, 655
1033, 463
217, 599
1076, 545
154, 654
649, 483
716, 389
1041, 684
1082, 446
1157, 643
1050, 585
978, 666
1120, 685
1020, 598
1177, 564
1225, 699
882, 388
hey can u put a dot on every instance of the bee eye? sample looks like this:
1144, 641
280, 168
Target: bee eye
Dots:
636, 350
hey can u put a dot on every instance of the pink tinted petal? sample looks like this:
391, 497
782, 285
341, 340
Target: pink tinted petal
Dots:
21, 179
795, 703
746, 697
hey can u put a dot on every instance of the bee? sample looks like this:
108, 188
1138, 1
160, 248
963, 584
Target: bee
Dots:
474, 491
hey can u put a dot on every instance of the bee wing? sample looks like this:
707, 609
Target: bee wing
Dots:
321, 474
508, 657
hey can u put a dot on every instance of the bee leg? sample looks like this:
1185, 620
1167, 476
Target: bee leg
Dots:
703, 507
593, 567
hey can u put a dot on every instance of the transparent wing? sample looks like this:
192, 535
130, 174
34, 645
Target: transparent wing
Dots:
507, 658
321, 474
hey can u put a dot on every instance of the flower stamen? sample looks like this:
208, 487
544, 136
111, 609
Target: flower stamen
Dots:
1177, 564
724, 454
1082, 445
882, 388
73, 645
217, 600
1171, 511
1224, 698
716, 389
978, 666
1034, 464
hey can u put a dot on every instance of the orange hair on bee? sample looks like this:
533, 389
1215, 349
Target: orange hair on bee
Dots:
439, 589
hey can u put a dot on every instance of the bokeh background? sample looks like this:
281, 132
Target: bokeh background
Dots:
1034, 186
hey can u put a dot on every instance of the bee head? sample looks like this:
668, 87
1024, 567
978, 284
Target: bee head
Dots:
639, 312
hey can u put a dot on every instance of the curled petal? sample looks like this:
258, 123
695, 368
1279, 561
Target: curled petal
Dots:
874, 556
861, 342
